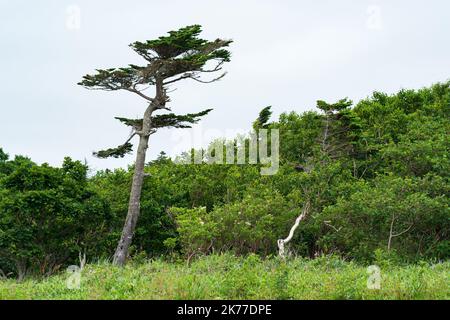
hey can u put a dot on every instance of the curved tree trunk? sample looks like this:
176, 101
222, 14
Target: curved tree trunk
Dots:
134, 204
121, 253
282, 242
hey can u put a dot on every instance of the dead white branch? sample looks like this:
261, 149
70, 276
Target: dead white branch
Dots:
282, 242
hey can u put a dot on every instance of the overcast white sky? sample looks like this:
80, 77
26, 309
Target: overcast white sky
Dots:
286, 54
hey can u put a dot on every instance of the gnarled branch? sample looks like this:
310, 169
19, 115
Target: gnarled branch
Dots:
283, 242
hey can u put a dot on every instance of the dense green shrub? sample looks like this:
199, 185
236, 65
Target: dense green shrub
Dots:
392, 213
251, 225
47, 216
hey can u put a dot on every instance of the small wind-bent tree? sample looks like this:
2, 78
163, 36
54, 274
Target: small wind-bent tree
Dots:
180, 55
339, 133
263, 118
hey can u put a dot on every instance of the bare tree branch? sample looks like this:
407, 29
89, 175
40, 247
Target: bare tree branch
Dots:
282, 242
391, 232
139, 93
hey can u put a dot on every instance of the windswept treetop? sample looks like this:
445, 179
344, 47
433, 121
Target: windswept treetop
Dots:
180, 55
263, 118
337, 106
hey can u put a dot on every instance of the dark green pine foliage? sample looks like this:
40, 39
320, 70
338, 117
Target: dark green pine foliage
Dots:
158, 121
263, 118
3, 155
180, 55
117, 152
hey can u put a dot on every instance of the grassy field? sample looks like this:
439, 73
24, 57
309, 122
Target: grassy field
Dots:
229, 277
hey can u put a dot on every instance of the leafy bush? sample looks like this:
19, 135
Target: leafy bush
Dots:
251, 225
47, 216
392, 213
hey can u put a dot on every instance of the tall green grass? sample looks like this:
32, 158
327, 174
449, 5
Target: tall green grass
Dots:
230, 277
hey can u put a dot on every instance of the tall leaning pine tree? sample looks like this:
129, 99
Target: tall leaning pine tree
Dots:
178, 56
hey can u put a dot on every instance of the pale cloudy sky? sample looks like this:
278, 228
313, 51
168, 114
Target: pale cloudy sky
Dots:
286, 54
